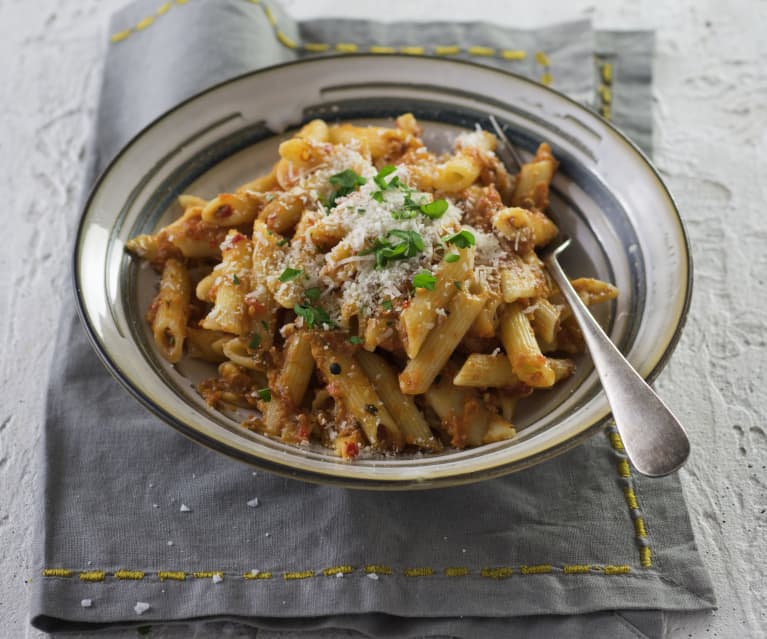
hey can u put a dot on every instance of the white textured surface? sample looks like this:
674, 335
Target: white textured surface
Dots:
710, 117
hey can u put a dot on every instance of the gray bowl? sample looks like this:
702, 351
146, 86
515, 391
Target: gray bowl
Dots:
606, 195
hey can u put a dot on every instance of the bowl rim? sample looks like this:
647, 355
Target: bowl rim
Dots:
363, 482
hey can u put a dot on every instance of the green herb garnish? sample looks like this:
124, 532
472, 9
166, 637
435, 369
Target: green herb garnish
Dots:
255, 340
395, 245
290, 274
345, 183
424, 279
387, 305
235, 280
457, 284
265, 324
313, 315
355, 339
452, 257
312, 293
265, 394
283, 241
385, 171
435, 209
462, 239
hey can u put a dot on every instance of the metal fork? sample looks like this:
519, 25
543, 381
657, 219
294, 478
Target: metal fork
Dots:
654, 440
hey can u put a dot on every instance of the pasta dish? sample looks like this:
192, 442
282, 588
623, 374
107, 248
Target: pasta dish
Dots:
369, 294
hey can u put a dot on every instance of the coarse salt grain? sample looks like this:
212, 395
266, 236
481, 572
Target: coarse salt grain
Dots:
254, 572
217, 579
141, 607
254, 503
185, 509
170, 543
86, 603
339, 575
373, 576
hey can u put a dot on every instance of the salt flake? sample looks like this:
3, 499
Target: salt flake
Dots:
217, 579
141, 607
373, 576
86, 603
185, 509
254, 503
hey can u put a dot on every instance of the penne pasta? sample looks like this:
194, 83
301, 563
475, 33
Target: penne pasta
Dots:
368, 295
169, 312
424, 367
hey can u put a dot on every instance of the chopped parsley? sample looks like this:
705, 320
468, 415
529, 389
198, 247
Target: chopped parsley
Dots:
435, 209
265, 394
382, 174
424, 279
265, 324
452, 257
312, 293
345, 182
283, 242
290, 274
236, 280
457, 284
355, 339
255, 340
313, 315
387, 305
395, 245
462, 239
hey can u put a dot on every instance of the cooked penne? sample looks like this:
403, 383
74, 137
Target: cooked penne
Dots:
464, 419
348, 384
546, 318
420, 316
522, 349
402, 407
230, 286
456, 174
487, 371
231, 209
169, 312
290, 385
368, 295
532, 189
439, 346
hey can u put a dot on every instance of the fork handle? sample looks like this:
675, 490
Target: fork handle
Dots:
654, 440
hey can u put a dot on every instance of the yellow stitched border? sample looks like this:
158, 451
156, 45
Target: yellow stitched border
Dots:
477, 51
605, 92
500, 572
335, 570
129, 574
93, 575
497, 573
624, 471
303, 574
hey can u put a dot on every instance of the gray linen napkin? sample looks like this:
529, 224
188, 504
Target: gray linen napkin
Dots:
133, 512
